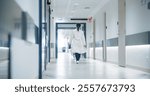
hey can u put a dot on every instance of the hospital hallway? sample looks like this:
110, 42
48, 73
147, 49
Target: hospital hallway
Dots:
65, 67
38, 36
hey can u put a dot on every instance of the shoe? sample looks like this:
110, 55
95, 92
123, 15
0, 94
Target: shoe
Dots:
77, 62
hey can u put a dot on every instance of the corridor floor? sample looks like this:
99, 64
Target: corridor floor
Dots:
66, 68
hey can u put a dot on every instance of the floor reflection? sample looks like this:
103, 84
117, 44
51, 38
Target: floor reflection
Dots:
66, 68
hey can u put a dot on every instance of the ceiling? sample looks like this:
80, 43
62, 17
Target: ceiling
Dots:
76, 8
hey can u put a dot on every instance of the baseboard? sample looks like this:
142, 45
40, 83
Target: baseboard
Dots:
139, 68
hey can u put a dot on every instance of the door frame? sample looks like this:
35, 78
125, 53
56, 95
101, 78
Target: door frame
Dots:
57, 28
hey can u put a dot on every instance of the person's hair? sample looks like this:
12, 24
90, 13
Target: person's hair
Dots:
78, 26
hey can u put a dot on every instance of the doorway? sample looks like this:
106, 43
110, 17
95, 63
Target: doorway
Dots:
63, 31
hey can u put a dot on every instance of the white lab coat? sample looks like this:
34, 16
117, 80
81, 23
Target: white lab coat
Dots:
78, 42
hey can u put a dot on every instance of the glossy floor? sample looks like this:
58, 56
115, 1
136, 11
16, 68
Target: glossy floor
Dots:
65, 67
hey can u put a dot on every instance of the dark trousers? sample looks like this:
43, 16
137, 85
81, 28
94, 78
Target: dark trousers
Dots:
77, 55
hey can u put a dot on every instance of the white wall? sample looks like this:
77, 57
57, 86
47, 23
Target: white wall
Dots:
53, 37
91, 53
89, 37
99, 55
112, 19
137, 17
24, 59
137, 21
111, 9
32, 7
4, 60
139, 57
112, 54
100, 27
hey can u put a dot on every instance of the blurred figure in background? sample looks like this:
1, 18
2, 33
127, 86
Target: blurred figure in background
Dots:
78, 45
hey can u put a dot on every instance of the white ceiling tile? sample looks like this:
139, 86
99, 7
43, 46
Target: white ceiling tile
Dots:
75, 8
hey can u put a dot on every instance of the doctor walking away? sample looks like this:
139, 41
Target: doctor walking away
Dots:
78, 45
